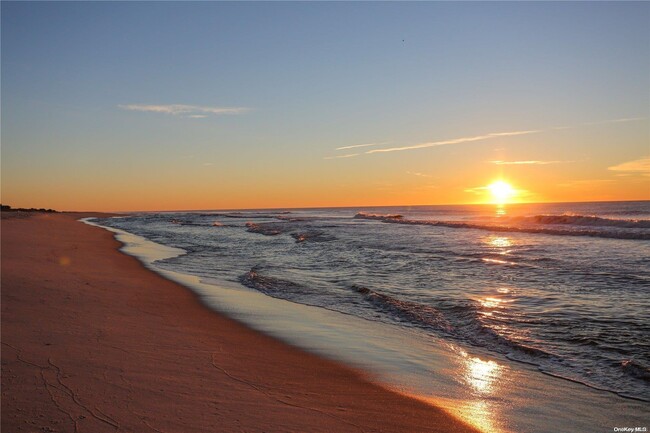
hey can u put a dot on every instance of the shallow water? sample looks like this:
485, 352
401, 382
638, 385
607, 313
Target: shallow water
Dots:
561, 288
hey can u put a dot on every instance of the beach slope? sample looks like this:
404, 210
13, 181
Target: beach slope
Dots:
94, 342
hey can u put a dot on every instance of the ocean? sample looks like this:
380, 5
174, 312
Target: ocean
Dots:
557, 294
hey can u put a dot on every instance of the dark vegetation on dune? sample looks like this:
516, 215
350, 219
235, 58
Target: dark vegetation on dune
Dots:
7, 208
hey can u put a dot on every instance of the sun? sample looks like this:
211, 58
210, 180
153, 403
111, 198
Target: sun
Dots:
501, 191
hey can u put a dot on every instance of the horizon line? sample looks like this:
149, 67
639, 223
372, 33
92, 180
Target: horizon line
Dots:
348, 207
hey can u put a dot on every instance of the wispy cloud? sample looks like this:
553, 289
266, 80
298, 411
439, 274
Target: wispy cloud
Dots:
349, 155
477, 190
626, 119
638, 166
592, 183
454, 141
192, 111
418, 174
600, 122
361, 145
619, 120
532, 162
489, 136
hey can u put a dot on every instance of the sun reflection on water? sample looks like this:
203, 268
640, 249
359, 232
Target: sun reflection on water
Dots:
492, 302
499, 241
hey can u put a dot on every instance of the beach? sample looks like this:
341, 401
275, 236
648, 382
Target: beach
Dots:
94, 342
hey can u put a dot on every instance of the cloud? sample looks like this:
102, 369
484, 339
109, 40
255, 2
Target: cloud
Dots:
193, 111
481, 138
361, 145
418, 174
349, 155
533, 162
619, 120
626, 119
477, 190
586, 182
639, 166
454, 141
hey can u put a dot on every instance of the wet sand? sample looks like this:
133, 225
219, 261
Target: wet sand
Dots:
94, 342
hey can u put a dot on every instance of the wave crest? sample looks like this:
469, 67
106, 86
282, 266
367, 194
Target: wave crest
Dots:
585, 220
614, 232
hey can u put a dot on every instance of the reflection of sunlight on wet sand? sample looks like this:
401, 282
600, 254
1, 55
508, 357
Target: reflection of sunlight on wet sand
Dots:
481, 375
480, 414
484, 378
478, 402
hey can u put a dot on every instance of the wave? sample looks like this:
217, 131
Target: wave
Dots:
618, 233
585, 220
636, 369
418, 313
186, 223
248, 215
274, 287
312, 236
267, 229
380, 217
454, 320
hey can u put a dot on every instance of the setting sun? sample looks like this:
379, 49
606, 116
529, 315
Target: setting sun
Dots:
501, 191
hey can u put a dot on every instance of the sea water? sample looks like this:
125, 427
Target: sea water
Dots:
504, 306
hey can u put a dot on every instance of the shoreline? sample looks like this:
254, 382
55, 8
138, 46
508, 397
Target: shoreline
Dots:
487, 391
94, 341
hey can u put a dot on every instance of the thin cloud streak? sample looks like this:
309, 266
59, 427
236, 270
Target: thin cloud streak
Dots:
349, 155
195, 111
481, 138
586, 182
454, 141
533, 162
627, 119
620, 120
639, 165
418, 174
361, 145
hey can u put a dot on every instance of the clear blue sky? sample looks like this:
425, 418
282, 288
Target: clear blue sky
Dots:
81, 83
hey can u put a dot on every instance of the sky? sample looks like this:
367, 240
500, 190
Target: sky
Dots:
118, 106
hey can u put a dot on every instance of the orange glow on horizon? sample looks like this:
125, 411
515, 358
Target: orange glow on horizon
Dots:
233, 190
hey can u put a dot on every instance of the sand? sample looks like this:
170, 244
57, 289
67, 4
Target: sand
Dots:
94, 342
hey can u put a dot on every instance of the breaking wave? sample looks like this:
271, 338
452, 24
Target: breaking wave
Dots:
457, 321
267, 229
585, 220
617, 228
271, 286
